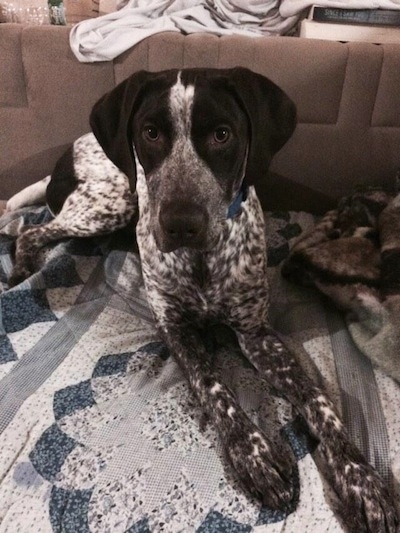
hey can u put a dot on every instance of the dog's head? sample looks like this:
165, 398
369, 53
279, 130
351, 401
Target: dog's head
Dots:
199, 134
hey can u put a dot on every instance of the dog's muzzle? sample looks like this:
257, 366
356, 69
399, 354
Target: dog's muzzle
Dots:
182, 225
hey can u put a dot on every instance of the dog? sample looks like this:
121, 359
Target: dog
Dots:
185, 150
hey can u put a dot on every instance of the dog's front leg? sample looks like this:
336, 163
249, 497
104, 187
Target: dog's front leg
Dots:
261, 467
364, 501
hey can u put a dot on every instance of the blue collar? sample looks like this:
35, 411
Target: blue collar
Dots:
237, 202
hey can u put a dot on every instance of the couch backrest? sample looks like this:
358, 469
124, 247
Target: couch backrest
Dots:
348, 99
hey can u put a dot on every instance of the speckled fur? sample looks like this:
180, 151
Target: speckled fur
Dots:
222, 279
100, 204
236, 293
233, 289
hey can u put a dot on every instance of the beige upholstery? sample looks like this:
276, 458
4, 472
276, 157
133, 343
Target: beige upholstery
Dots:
348, 98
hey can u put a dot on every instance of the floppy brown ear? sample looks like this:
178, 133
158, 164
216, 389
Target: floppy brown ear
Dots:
272, 118
110, 121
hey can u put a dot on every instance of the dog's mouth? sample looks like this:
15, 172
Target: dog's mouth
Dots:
167, 244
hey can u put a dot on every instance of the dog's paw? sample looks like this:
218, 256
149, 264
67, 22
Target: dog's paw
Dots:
262, 467
12, 205
365, 504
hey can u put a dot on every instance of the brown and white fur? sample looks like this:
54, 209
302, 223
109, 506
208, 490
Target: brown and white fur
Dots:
203, 139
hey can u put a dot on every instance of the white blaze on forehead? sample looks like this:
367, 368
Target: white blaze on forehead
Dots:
181, 104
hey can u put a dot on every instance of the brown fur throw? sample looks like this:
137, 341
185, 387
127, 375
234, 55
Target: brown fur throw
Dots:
353, 256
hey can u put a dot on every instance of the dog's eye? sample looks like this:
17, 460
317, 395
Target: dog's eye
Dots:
221, 135
151, 133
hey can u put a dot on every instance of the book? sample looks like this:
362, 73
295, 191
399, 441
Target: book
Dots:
380, 17
347, 32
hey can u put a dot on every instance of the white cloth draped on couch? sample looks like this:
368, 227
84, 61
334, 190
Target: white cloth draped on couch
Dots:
105, 37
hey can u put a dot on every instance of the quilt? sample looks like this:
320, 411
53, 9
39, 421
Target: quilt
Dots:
98, 430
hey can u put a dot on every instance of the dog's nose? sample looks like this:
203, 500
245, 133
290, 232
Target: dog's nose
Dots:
183, 224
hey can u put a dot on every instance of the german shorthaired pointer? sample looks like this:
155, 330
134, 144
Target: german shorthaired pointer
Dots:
201, 139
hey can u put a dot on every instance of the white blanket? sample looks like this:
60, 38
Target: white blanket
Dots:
104, 38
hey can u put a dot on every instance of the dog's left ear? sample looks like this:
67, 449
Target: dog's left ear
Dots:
272, 119
110, 121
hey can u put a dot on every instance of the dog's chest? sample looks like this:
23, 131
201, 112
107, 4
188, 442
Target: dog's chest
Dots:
207, 285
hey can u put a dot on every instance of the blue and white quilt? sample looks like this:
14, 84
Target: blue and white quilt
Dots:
98, 430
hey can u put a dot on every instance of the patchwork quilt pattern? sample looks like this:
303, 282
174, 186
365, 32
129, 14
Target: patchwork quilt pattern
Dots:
98, 429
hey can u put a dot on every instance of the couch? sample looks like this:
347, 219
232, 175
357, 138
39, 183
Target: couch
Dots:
347, 97
97, 429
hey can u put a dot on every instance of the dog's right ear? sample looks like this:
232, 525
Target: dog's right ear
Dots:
110, 121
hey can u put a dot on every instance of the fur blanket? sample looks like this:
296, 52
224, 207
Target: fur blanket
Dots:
353, 256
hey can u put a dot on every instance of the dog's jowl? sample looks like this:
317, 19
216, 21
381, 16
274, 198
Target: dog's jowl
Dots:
192, 145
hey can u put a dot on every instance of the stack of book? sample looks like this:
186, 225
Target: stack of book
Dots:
340, 24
